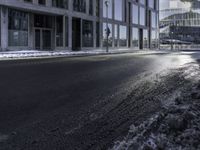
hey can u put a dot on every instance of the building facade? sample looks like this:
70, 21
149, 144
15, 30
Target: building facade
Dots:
180, 22
78, 24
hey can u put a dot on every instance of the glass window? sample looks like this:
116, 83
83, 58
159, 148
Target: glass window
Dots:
60, 3
135, 37
145, 39
97, 7
87, 33
17, 28
151, 3
28, 0
42, 2
154, 39
109, 9
42, 21
122, 36
97, 35
79, 5
91, 7
142, 2
135, 14
142, 16
118, 10
59, 31
110, 40
153, 19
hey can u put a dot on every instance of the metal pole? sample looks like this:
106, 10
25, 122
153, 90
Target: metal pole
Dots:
171, 36
107, 46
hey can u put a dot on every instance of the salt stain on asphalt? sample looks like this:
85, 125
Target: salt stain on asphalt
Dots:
3, 137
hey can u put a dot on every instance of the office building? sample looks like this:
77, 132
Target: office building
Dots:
78, 24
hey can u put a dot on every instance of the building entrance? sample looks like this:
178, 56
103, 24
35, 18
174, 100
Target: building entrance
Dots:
43, 32
76, 34
42, 39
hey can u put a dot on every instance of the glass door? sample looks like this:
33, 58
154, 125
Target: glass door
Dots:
37, 39
46, 39
43, 39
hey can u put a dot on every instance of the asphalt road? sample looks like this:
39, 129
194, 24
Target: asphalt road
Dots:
80, 102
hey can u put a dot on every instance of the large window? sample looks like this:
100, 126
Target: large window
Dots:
118, 9
142, 2
17, 28
42, 2
42, 21
91, 7
87, 33
123, 36
79, 5
116, 36
110, 40
153, 19
59, 31
60, 3
142, 16
28, 0
151, 3
97, 8
135, 37
154, 39
109, 9
145, 39
97, 34
135, 14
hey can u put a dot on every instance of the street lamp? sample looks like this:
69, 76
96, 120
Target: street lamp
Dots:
107, 30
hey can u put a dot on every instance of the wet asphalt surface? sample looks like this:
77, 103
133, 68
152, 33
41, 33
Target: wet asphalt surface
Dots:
81, 102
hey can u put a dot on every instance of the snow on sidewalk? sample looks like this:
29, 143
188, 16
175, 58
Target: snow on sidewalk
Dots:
35, 53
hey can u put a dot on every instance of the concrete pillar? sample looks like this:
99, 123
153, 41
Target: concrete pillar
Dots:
53, 39
4, 28
70, 32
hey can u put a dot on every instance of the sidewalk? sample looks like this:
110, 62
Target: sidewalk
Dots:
27, 54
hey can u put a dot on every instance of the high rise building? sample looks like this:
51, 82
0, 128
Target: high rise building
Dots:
78, 24
180, 22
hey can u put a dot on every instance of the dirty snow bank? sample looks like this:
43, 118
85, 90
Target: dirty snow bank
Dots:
37, 53
176, 126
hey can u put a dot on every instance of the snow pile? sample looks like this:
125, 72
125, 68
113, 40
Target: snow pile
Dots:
176, 126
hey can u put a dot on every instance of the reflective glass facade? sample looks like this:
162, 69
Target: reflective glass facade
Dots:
127, 18
17, 28
179, 23
79, 24
87, 33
